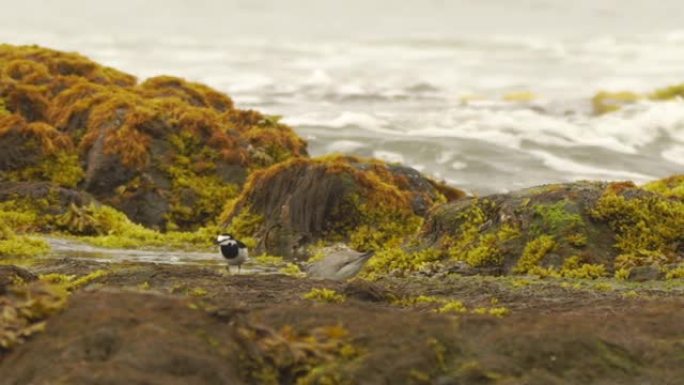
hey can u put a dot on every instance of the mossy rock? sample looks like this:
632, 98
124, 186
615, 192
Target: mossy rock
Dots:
13, 275
167, 152
671, 187
586, 229
366, 203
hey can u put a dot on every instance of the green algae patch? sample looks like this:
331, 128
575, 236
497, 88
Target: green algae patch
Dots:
605, 101
21, 246
668, 93
3, 108
452, 306
469, 244
398, 262
534, 253
675, 273
25, 309
106, 227
316, 356
70, 283
671, 187
325, 295
648, 229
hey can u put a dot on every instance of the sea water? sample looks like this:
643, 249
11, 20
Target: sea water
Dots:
488, 95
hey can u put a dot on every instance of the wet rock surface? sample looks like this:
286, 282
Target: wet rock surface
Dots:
145, 323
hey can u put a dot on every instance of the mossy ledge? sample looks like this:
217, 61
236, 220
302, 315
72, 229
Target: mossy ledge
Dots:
366, 203
163, 151
574, 230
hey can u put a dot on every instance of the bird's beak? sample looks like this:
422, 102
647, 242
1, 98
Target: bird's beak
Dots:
216, 241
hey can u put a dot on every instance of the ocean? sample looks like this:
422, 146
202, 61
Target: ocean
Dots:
489, 95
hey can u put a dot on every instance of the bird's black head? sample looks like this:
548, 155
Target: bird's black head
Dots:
223, 237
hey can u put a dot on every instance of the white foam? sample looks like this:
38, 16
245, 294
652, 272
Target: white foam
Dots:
459, 165
344, 146
391, 157
344, 119
571, 167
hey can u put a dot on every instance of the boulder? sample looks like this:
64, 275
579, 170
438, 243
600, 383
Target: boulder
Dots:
363, 202
12, 275
166, 152
582, 229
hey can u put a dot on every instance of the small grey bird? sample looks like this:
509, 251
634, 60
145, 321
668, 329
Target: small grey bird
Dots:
234, 251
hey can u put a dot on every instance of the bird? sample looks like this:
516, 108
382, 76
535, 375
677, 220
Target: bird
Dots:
234, 251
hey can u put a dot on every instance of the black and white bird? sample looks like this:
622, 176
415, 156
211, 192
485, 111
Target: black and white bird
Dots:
234, 251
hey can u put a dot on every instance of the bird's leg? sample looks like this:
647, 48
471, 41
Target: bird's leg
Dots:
228, 268
239, 268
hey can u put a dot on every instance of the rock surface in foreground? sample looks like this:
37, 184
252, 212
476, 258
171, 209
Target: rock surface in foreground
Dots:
164, 324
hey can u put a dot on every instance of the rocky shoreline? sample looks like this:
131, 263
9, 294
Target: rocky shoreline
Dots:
364, 271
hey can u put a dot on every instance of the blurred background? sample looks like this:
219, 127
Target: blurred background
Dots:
489, 95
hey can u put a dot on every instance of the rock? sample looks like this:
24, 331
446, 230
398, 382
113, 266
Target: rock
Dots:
166, 152
11, 275
364, 202
126, 338
368, 291
645, 273
339, 264
55, 199
579, 230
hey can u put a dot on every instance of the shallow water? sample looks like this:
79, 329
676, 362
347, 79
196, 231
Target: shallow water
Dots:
66, 248
417, 82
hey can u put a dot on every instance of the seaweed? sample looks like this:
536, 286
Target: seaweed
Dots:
648, 228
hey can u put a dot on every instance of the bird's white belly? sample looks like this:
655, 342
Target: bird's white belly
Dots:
243, 255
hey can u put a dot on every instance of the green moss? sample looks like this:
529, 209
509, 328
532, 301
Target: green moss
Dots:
398, 262
382, 227
534, 253
3, 108
676, 273
672, 187
497, 311
316, 356
244, 226
452, 306
198, 292
486, 253
19, 216
556, 219
648, 228
668, 93
292, 270
72, 282
61, 168
605, 101
325, 295
573, 267
22, 246
473, 245
195, 198
115, 230
25, 309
